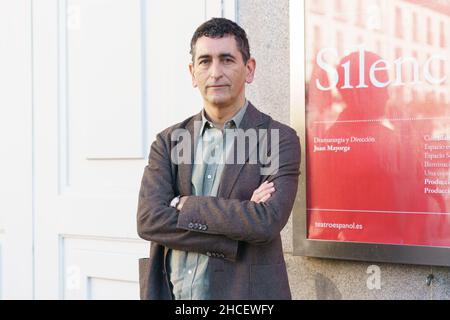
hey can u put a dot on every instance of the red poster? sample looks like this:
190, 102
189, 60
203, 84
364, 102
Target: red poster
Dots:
378, 121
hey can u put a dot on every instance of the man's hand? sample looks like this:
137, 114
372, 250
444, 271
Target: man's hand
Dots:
182, 201
263, 192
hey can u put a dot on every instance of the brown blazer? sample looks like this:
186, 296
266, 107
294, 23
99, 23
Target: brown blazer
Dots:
241, 237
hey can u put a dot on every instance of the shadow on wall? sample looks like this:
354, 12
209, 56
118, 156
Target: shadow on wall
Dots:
326, 289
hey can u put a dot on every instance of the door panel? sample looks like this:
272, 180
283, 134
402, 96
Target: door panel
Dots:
16, 184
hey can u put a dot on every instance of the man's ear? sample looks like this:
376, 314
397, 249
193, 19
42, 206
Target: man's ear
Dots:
251, 67
191, 70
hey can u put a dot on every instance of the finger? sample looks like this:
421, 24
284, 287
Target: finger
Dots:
265, 198
264, 193
264, 186
261, 187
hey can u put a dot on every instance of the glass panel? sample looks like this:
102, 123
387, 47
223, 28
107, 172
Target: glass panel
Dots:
378, 121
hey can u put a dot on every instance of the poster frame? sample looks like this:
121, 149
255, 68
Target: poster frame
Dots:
302, 246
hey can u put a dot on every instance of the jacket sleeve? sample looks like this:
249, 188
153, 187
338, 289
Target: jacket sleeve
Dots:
248, 221
157, 221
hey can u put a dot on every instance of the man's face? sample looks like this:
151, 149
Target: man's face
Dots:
218, 70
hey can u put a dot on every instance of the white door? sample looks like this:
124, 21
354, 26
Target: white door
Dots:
16, 228
107, 76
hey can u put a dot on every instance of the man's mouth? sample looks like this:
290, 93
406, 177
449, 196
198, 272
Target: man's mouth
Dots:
219, 86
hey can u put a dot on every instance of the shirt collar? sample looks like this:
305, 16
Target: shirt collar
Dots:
232, 123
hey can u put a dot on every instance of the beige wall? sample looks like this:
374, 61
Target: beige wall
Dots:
267, 24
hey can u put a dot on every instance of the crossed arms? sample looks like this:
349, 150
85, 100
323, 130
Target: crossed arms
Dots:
257, 221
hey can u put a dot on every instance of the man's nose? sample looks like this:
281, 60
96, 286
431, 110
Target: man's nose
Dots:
216, 70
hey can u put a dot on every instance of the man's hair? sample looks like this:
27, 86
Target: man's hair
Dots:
218, 28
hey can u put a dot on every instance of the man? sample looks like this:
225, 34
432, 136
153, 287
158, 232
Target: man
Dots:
215, 227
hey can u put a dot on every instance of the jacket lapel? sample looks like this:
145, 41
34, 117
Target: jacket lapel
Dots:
185, 169
252, 119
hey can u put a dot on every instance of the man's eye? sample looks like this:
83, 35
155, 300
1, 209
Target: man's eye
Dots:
203, 61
